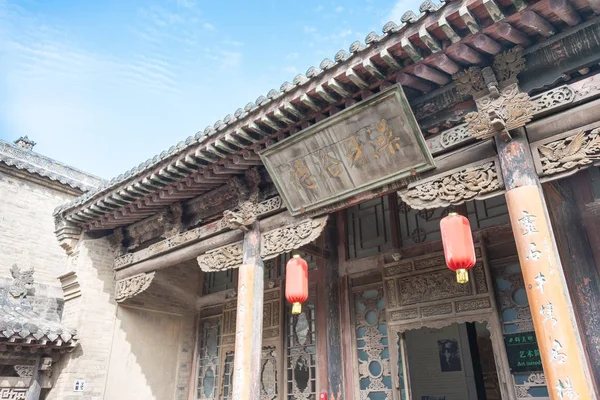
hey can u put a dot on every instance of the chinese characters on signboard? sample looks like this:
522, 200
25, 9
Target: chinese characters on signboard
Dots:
366, 146
523, 352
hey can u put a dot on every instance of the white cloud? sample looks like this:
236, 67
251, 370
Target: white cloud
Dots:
291, 69
292, 56
233, 43
319, 8
309, 29
208, 26
339, 9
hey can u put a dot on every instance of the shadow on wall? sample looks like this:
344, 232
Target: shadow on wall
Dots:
153, 338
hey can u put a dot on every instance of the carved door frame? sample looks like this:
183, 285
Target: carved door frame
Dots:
477, 303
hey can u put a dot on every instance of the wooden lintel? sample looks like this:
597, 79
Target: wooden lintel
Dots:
315, 250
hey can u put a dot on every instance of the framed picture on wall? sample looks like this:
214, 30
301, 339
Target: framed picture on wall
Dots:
449, 355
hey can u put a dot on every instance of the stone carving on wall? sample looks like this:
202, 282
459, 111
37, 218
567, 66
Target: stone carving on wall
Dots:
22, 282
288, 238
129, 287
569, 153
269, 389
501, 106
13, 394
24, 371
223, 258
476, 181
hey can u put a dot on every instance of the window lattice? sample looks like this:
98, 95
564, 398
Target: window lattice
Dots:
301, 350
368, 228
374, 373
208, 359
227, 376
218, 281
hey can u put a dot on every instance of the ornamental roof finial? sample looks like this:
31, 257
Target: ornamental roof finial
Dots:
25, 143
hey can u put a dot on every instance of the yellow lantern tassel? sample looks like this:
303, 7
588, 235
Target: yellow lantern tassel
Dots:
296, 308
462, 275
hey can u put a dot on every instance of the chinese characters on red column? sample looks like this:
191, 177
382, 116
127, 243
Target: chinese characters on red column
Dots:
561, 358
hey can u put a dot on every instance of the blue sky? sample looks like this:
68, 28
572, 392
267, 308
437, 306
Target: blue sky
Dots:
104, 85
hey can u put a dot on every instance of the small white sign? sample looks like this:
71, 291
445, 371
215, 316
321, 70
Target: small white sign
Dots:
79, 384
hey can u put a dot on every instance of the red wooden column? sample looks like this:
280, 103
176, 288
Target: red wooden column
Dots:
558, 338
248, 336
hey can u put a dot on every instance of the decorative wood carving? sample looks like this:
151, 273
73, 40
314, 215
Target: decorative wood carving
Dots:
247, 210
211, 203
223, 258
424, 288
475, 181
534, 380
129, 287
273, 243
269, 388
501, 106
569, 153
262, 209
288, 238
24, 371
372, 344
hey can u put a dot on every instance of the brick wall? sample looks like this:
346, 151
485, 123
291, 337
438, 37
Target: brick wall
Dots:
27, 228
93, 313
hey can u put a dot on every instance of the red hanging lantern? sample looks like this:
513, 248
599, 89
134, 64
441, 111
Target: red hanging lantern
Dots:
296, 283
458, 245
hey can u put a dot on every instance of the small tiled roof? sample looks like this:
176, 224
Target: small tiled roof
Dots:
34, 163
33, 322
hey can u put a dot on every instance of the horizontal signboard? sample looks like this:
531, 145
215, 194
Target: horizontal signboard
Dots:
368, 145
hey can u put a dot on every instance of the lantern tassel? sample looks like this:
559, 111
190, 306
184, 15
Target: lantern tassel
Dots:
462, 275
296, 308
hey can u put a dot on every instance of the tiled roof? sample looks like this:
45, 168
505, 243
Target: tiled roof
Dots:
34, 163
421, 53
33, 321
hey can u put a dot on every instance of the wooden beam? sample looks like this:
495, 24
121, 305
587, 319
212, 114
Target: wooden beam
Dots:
549, 300
537, 23
565, 11
335, 375
487, 44
430, 74
467, 54
249, 321
512, 34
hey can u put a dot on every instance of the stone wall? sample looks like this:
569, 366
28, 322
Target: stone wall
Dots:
27, 227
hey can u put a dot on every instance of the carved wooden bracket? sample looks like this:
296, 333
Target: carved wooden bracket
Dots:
501, 106
129, 287
565, 154
185, 238
475, 181
273, 243
247, 210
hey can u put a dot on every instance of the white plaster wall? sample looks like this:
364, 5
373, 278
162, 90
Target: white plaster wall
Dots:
144, 356
426, 377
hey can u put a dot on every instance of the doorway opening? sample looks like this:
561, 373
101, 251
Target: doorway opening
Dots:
455, 362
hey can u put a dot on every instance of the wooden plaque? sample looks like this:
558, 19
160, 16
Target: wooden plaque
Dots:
368, 145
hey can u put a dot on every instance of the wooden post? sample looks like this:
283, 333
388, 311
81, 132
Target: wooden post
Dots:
34, 391
551, 308
248, 336
335, 378
576, 255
